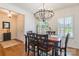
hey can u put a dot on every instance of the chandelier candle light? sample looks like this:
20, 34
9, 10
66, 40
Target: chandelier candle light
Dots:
44, 14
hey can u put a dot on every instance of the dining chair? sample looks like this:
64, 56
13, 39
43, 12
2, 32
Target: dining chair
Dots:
26, 43
65, 47
48, 32
35, 43
43, 44
31, 42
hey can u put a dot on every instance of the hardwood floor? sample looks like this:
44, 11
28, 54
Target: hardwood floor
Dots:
12, 47
30, 54
73, 51
70, 52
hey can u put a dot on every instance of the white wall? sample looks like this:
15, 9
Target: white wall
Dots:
29, 21
70, 11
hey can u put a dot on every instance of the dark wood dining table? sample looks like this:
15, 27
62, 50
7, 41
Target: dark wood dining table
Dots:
56, 42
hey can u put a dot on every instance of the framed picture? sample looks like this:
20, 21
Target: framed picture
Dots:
6, 25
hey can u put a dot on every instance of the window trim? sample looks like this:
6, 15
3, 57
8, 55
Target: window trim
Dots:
64, 17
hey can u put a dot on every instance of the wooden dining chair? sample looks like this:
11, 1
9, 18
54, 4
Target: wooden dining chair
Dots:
43, 44
35, 43
32, 42
65, 47
26, 43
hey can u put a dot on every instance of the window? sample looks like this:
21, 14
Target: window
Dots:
42, 27
65, 25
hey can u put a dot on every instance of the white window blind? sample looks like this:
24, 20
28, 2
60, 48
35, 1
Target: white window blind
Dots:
65, 25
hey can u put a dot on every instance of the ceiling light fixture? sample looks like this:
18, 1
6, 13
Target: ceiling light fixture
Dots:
44, 13
9, 14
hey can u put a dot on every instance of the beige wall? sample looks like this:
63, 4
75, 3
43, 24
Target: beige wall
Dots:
70, 11
4, 18
20, 27
16, 26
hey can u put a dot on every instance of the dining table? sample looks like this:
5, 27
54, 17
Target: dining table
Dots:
52, 39
57, 42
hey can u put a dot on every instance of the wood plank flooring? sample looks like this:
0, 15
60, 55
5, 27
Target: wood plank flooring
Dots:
70, 52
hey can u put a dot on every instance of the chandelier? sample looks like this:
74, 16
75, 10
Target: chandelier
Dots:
44, 13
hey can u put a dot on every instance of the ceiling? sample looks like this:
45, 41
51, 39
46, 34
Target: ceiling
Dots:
6, 11
33, 7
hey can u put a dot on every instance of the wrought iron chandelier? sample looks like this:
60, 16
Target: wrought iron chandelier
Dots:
44, 13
